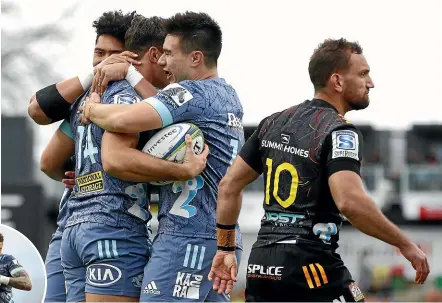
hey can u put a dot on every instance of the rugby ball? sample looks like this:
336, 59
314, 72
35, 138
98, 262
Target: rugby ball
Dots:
169, 144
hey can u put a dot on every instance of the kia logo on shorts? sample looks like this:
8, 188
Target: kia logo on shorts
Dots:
102, 274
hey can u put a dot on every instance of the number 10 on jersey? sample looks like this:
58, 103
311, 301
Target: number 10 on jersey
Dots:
274, 178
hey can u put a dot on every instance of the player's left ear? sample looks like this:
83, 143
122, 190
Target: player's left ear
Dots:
196, 58
154, 54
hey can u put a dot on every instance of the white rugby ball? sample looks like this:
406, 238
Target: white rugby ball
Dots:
169, 144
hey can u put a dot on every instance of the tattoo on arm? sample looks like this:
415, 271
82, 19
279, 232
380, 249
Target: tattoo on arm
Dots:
20, 280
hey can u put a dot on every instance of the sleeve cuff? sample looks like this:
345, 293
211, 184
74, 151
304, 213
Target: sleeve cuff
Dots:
162, 110
343, 164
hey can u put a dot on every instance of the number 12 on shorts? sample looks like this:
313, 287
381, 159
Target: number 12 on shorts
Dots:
274, 178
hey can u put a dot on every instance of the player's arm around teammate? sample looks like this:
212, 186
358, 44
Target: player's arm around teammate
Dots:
52, 103
123, 161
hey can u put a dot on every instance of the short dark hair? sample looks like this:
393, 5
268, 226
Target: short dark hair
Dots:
113, 23
198, 31
1, 238
145, 33
330, 57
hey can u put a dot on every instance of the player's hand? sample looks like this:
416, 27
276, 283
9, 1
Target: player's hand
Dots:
194, 164
126, 56
108, 73
85, 109
69, 182
223, 271
418, 260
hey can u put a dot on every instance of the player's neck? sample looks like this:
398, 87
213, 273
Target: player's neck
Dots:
335, 101
206, 74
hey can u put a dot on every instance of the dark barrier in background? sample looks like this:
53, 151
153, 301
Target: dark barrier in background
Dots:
23, 209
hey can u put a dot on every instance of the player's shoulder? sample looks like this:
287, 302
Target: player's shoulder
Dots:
204, 85
7, 258
120, 92
180, 93
268, 122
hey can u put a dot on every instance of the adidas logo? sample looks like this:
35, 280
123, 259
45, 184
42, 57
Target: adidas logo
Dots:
151, 288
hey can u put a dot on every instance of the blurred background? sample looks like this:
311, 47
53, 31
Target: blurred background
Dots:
265, 57
16, 245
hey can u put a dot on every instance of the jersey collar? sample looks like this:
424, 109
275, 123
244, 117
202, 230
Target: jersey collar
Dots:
322, 103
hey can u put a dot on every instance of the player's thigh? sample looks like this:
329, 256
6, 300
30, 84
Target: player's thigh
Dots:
296, 273
115, 259
327, 277
56, 289
178, 269
73, 269
266, 269
108, 298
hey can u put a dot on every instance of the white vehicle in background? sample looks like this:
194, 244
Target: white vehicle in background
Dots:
421, 192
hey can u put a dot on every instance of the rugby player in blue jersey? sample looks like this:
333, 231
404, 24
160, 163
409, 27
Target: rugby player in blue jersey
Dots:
110, 29
105, 240
12, 275
186, 241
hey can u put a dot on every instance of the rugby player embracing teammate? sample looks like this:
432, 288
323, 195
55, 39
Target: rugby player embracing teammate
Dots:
110, 30
105, 239
186, 241
310, 156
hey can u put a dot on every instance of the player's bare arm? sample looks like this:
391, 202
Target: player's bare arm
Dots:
52, 103
224, 265
56, 154
361, 211
121, 160
19, 280
120, 118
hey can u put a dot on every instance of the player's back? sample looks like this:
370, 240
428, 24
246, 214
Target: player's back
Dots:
189, 208
7, 266
297, 202
99, 197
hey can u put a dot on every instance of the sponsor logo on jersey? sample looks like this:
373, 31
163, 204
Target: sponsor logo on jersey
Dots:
283, 219
137, 280
325, 231
103, 274
264, 272
151, 288
233, 121
126, 99
90, 183
187, 286
356, 292
285, 139
177, 93
285, 148
345, 144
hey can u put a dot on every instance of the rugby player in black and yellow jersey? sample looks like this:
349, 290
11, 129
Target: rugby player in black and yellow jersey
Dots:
310, 156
